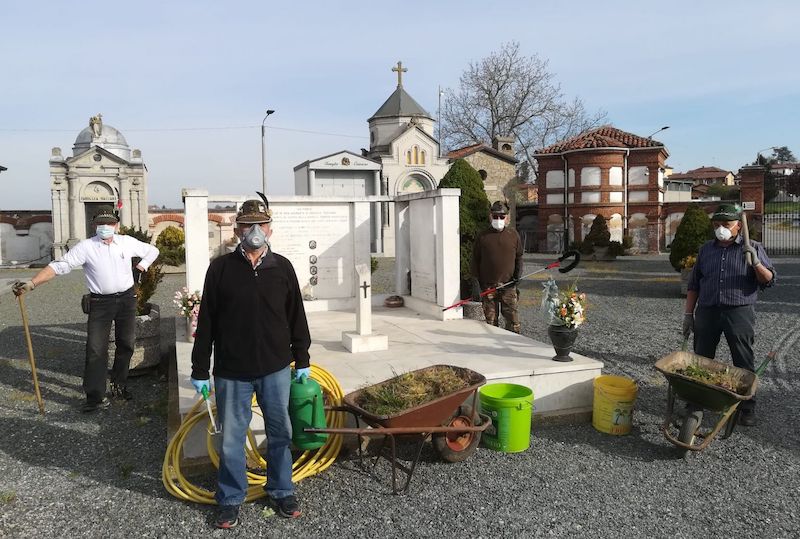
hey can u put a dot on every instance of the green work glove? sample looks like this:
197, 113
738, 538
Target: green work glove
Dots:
688, 324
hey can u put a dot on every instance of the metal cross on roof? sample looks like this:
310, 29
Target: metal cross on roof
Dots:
399, 69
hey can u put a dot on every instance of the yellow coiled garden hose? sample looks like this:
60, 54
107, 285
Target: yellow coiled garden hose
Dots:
308, 464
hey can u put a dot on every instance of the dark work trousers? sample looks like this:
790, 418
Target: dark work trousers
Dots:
738, 325
120, 309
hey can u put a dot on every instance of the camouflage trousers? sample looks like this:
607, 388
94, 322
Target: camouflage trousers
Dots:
506, 299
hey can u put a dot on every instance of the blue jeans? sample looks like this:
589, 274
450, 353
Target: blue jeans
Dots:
233, 407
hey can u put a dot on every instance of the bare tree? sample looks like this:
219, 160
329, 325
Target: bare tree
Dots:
509, 94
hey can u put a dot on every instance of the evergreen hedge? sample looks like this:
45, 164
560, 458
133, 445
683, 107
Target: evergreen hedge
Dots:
473, 208
599, 234
171, 244
693, 231
150, 279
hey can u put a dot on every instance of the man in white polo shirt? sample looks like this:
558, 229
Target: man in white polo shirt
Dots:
106, 260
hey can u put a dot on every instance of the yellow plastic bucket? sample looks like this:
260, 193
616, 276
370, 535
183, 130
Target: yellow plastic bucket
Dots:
614, 397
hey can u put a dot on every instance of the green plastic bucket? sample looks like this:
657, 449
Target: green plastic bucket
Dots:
510, 406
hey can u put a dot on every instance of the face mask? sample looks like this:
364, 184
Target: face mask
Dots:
105, 231
722, 233
254, 239
498, 224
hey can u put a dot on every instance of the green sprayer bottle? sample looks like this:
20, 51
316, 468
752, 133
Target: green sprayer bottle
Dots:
307, 411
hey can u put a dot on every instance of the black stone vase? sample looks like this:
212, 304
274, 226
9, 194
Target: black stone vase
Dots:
562, 338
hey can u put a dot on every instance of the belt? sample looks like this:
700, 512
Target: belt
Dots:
114, 295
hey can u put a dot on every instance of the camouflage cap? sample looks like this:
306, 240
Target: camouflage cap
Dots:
727, 212
105, 215
499, 207
252, 212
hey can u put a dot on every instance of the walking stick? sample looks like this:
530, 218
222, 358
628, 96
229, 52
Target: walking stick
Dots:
556, 264
24, 313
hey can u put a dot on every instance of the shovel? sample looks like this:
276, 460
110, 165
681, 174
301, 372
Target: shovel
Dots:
24, 313
556, 264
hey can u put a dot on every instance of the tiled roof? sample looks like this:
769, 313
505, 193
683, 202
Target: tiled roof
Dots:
702, 173
602, 137
480, 147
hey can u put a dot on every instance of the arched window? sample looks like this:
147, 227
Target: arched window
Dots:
483, 174
415, 156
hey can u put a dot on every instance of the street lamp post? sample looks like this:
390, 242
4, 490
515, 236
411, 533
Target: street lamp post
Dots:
263, 155
659, 131
758, 154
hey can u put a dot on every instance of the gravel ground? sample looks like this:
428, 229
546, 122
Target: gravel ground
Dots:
76, 475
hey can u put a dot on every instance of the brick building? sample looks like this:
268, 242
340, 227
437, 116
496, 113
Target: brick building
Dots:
608, 172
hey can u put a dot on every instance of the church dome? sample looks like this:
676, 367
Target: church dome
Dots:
110, 139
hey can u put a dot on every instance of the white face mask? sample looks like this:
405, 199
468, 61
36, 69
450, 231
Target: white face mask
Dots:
498, 224
105, 231
722, 233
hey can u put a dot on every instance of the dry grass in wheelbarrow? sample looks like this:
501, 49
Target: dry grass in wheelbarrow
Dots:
724, 379
409, 390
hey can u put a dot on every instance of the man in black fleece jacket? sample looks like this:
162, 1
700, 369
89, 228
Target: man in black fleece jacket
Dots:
252, 315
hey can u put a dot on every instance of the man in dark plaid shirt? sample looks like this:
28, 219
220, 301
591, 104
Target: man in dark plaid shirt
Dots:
722, 293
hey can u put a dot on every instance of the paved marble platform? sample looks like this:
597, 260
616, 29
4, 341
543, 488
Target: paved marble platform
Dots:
417, 340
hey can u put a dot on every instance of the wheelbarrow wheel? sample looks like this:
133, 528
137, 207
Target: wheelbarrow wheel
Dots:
458, 446
691, 423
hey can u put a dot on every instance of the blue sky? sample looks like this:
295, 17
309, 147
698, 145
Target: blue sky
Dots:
723, 75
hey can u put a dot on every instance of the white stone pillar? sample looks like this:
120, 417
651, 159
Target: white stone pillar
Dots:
125, 196
377, 225
74, 203
448, 248
402, 248
195, 226
312, 180
55, 198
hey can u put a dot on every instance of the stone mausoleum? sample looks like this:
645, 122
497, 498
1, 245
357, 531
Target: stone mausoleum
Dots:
103, 170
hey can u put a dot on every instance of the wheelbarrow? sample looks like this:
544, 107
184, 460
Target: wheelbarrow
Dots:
453, 427
701, 397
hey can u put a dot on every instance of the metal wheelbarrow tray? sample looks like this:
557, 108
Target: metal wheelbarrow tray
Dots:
455, 428
701, 396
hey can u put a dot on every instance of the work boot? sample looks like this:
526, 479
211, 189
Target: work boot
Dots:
747, 417
227, 516
120, 392
92, 405
286, 507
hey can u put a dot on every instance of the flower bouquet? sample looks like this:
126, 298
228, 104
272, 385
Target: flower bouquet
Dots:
189, 307
563, 312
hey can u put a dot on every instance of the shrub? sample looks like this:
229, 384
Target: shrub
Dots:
473, 208
171, 244
693, 231
148, 283
599, 234
627, 241
615, 248
373, 264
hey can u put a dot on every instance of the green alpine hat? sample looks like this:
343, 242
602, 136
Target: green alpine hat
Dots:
727, 212
252, 212
105, 216
499, 208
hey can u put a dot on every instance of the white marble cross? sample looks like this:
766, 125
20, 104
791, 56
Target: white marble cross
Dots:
364, 303
363, 339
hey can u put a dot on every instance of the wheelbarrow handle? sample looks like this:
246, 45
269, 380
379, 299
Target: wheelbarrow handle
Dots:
761, 368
